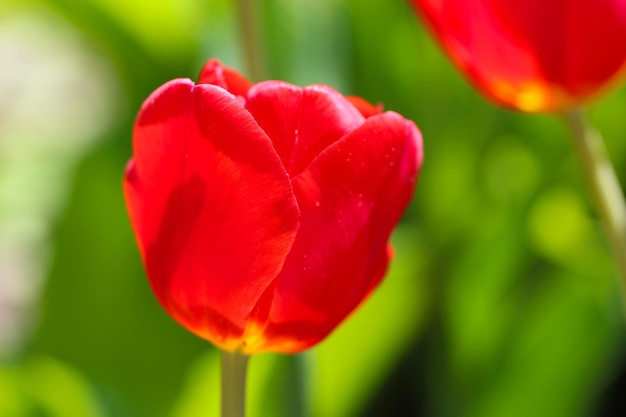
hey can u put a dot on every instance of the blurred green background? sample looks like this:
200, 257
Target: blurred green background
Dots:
502, 299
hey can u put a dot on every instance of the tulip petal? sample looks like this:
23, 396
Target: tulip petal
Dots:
350, 198
158, 151
230, 80
301, 122
579, 44
532, 55
212, 207
365, 107
503, 69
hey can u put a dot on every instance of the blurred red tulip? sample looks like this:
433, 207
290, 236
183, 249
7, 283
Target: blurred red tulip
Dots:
263, 212
532, 55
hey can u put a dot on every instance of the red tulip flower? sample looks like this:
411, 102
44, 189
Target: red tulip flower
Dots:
532, 55
263, 212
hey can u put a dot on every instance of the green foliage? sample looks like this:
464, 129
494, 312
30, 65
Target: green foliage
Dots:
501, 300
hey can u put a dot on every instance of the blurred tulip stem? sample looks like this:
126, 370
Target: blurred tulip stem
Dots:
251, 39
605, 186
234, 368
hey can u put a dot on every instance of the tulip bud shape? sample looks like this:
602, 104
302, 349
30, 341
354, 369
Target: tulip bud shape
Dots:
263, 211
532, 55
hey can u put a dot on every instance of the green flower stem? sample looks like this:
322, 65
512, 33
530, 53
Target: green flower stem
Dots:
605, 186
251, 39
234, 367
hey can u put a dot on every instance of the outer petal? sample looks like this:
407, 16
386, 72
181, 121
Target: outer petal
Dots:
500, 67
532, 55
301, 122
579, 44
215, 73
350, 198
211, 205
